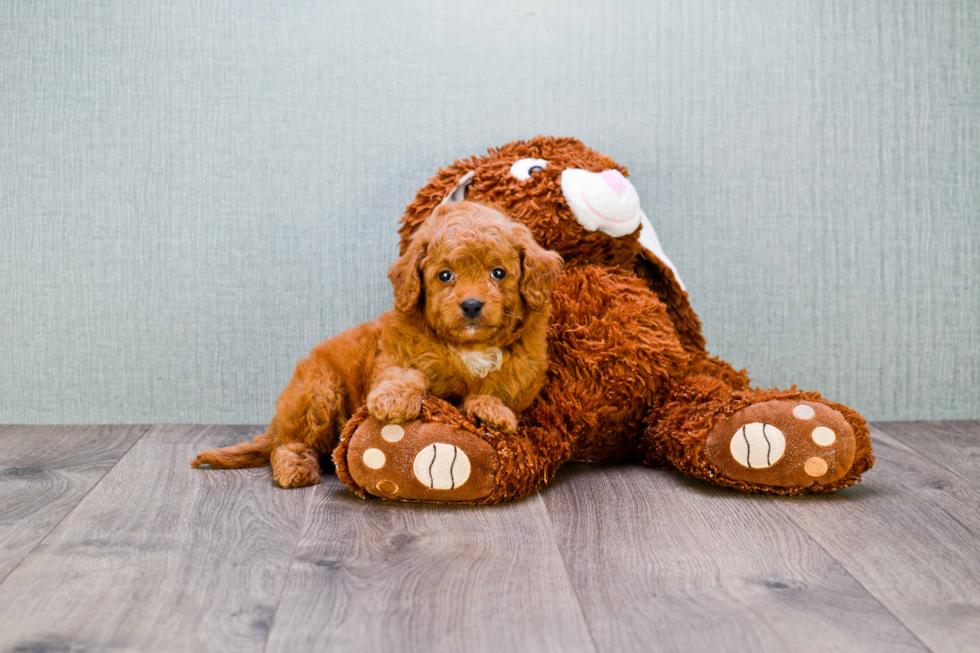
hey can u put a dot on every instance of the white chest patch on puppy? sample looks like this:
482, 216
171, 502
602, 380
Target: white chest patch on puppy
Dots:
481, 362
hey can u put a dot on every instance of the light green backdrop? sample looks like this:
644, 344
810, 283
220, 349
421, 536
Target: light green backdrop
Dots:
193, 194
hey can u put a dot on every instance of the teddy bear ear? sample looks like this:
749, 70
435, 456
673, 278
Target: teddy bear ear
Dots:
458, 194
650, 242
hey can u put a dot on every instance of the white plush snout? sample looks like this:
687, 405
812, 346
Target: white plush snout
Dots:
602, 201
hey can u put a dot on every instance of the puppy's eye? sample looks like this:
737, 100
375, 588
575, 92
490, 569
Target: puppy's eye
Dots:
498, 273
524, 168
445, 276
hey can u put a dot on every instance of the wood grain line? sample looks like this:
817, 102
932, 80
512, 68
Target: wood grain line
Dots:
383, 576
159, 556
910, 534
953, 445
663, 562
45, 472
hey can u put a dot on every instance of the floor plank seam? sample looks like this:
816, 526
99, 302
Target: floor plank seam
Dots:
147, 429
938, 463
564, 566
289, 567
803, 531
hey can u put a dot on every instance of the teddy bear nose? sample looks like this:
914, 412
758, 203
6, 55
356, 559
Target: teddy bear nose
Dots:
615, 180
472, 307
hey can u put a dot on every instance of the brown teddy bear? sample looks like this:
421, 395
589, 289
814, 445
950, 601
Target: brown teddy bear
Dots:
629, 375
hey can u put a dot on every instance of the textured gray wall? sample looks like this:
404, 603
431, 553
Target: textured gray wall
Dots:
193, 194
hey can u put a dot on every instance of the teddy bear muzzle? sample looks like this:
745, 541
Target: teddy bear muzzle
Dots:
602, 201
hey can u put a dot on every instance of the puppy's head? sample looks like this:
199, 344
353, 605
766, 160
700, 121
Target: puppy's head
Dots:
473, 274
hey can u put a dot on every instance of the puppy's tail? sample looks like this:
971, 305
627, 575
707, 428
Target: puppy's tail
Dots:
247, 454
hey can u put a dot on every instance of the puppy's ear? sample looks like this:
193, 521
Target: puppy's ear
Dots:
539, 268
405, 275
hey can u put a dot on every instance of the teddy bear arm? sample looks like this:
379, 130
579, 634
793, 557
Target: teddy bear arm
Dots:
613, 350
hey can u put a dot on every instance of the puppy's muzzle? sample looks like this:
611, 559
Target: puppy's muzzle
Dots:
471, 308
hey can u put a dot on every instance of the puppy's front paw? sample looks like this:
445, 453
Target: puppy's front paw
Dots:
492, 412
393, 404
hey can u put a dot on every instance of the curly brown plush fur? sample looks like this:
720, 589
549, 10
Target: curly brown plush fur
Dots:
629, 374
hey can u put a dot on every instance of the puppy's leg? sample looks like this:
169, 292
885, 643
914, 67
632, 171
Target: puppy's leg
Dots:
397, 395
491, 411
308, 417
295, 465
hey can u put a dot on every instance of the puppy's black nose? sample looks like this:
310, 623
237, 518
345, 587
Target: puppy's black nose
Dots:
472, 307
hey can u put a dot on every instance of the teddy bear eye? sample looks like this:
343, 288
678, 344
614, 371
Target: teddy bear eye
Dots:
498, 273
524, 168
445, 276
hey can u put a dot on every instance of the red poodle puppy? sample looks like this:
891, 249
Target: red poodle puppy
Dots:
472, 302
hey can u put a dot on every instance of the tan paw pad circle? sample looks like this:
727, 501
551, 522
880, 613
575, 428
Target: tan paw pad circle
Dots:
758, 445
387, 487
823, 436
803, 412
374, 458
441, 466
392, 432
815, 467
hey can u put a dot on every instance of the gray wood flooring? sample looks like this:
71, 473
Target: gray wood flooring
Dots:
110, 542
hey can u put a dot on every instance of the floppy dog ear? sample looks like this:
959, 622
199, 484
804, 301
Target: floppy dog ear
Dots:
405, 276
539, 268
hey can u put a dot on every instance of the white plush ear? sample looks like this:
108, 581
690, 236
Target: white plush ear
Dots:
650, 242
458, 194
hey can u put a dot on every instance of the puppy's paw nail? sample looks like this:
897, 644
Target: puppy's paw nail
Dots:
502, 423
395, 408
496, 419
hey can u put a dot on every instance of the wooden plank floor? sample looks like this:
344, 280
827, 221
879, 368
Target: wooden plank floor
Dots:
109, 541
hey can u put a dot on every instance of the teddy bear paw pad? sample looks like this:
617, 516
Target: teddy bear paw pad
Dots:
441, 466
783, 444
421, 461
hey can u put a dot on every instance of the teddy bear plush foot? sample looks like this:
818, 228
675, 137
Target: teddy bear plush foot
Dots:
783, 444
420, 461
